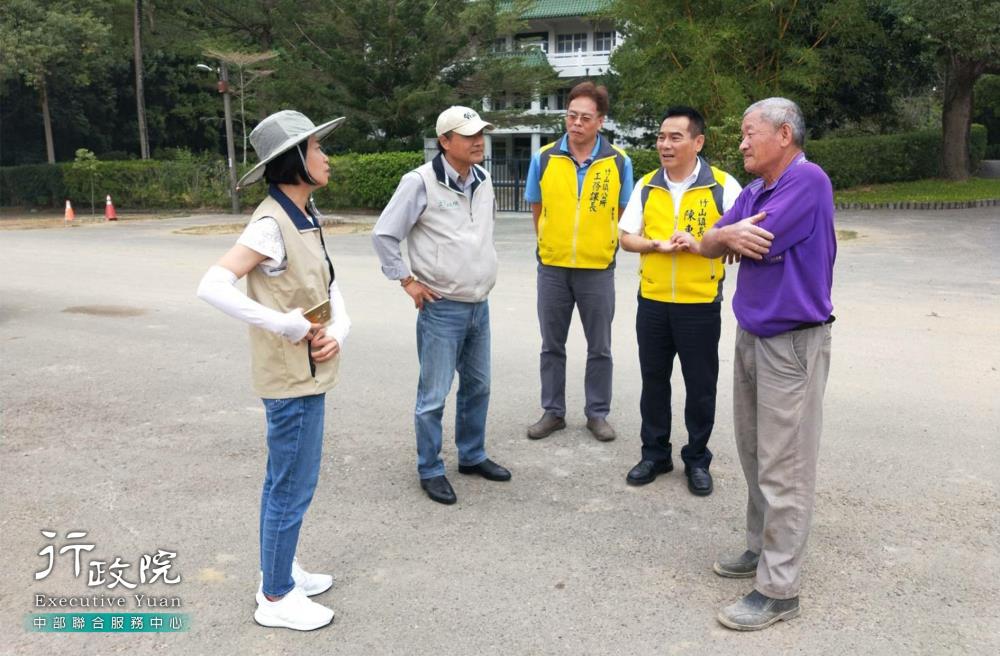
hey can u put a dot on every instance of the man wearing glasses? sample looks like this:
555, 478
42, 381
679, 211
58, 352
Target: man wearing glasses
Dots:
577, 188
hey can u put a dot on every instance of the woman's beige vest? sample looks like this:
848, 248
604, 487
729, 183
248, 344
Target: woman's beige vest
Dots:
281, 369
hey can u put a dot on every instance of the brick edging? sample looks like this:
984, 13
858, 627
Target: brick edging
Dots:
913, 205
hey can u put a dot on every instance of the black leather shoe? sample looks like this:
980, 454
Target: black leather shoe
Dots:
699, 481
647, 470
439, 489
488, 469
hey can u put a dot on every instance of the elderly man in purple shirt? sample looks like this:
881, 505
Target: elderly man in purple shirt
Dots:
782, 227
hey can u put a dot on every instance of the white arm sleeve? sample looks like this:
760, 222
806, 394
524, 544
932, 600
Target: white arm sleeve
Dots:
340, 326
217, 289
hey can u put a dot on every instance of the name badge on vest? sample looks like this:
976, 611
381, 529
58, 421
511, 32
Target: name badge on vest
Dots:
448, 205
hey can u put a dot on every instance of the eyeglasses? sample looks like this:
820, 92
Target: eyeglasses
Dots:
573, 117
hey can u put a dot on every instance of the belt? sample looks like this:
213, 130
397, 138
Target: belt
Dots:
813, 324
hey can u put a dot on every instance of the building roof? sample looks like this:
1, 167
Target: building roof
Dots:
560, 8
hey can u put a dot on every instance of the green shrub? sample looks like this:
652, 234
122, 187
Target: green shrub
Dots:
643, 161
32, 185
978, 143
365, 181
356, 181
849, 161
852, 161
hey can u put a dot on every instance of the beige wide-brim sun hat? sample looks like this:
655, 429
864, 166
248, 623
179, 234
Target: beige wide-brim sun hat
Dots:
278, 133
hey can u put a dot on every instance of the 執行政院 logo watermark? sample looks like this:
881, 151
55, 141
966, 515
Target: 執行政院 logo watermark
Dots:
118, 598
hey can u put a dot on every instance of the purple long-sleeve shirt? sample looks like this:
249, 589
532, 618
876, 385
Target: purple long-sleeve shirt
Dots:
792, 284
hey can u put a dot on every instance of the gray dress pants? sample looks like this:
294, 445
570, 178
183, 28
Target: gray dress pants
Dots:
778, 386
592, 292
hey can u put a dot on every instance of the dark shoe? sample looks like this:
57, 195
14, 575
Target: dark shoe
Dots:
647, 470
699, 481
743, 566
439, 489
488, 469
548, 424
601, 429
755, 611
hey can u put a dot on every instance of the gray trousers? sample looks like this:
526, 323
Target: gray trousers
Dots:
778, 385
592, 291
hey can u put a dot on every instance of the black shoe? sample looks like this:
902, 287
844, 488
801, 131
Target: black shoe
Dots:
647, 470
756, 611
488, 469
743, 566
699, 481
439, 489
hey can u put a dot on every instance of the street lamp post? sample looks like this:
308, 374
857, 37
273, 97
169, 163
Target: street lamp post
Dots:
230, 147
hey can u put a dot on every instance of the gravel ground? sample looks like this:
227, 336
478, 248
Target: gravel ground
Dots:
127, 413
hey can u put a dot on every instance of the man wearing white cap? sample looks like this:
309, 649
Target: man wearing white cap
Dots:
445, 211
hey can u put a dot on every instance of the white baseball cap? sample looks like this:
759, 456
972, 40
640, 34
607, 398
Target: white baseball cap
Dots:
463, 120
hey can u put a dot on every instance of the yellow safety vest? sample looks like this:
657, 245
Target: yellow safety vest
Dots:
578, 226
681, 277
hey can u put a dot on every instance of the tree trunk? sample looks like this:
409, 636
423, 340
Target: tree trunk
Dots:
50, 147
140, 101
956, 117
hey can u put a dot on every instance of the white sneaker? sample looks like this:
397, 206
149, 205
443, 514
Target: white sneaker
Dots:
293, 611
311, 584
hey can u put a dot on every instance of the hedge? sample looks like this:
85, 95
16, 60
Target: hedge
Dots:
368, 180
356, 181
851, 161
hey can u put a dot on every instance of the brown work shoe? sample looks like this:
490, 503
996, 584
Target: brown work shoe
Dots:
548, 424
601, 429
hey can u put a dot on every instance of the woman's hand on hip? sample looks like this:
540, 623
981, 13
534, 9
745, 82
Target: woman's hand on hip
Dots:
323, 346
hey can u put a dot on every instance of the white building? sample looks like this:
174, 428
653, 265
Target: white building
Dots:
577, 43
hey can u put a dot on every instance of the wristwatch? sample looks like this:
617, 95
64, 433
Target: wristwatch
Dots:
406, 281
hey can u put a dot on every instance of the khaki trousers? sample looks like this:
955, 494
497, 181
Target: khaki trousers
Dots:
778, 386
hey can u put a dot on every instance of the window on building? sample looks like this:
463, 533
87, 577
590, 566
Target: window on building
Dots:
561, 98
604, 41
567, 43
518, 101
500, 45
538, 40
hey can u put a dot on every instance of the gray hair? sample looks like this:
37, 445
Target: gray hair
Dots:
777, 112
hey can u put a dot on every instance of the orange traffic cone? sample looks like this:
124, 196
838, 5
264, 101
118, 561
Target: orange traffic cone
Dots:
109, 210
69, 215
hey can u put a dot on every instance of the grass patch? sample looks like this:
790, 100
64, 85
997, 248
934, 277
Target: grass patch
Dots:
922, 191
237, 227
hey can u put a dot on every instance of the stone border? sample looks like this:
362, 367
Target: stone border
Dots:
913, 205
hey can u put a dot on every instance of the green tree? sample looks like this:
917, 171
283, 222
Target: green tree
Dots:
40, 39
965, 34
390, 66
842, 61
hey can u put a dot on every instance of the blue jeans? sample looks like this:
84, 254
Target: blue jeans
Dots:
452, 336
294, 448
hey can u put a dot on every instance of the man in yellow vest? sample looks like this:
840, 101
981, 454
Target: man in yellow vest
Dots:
680, 295
577, 187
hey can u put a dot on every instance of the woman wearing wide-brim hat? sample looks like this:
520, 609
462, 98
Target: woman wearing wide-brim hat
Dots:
294, 360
